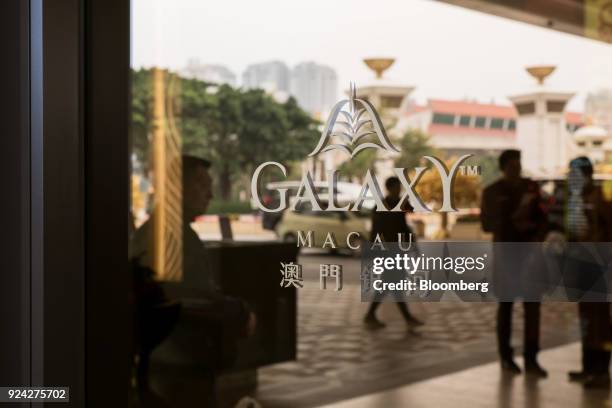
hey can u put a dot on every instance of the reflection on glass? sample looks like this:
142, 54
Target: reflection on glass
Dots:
219, 89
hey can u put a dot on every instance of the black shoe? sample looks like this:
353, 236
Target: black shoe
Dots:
508, 365
533, 368
599, 381
413, 321
579, 376
372, 323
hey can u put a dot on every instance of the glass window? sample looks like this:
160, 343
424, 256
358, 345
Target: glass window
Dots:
443, 119
497, 123
525, 108
391, 101
221, 88
555, 106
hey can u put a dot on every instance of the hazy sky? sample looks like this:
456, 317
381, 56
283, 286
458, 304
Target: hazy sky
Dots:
442, 50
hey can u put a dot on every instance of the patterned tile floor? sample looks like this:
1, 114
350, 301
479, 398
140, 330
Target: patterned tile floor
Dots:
484, 387
338, 358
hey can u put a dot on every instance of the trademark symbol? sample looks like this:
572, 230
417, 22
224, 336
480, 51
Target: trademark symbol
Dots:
469, 170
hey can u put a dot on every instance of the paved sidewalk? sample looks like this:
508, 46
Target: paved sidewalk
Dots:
485, 386
339, 359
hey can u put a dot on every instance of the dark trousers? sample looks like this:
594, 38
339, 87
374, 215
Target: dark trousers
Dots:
595, 333
531, 344
399, 301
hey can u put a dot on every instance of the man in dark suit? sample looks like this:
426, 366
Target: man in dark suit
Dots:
511, 210
388, 225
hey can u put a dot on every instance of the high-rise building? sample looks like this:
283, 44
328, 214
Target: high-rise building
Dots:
272, 76
315, 87
214, 73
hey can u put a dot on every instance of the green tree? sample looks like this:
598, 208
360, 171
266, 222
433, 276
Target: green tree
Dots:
302, 133
272, 131
489, 167
357, 166
466, 192
414, 145
142, 113
235, 129
198, 106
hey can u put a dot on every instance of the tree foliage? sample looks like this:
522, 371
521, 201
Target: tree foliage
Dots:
489, 168
233, 128
465, 192
356, 167
414, 145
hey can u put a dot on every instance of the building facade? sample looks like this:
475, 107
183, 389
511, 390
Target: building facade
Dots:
214, 73
461, 127
271, 76
315, 87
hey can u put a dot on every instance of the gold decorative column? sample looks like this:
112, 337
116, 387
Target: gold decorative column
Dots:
167, 239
